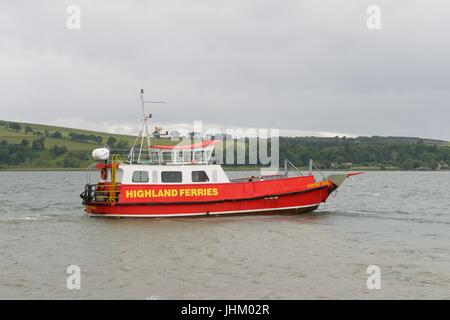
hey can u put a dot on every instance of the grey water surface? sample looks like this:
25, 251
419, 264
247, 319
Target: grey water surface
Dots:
399, 221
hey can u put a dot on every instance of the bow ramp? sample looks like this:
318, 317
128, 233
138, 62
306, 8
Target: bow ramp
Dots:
339, 178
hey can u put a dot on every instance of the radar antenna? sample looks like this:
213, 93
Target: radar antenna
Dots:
143, 131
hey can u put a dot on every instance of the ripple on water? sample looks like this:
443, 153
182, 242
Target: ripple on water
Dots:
377, 218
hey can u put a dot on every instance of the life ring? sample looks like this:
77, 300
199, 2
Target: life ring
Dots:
104, 174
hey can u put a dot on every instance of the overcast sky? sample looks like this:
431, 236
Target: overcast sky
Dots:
311, 67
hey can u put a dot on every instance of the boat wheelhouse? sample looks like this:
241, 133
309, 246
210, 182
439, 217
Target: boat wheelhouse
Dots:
183, 180
198, 153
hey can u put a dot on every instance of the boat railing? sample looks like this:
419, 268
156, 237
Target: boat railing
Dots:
89, 170
312, 167
101, 193
288, 165
258, 178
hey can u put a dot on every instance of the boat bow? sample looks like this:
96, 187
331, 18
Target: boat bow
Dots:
339, 178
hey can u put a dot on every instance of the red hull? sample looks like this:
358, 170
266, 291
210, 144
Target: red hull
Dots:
299, 194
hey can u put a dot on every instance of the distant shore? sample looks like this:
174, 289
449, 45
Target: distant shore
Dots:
234, 168
37, 147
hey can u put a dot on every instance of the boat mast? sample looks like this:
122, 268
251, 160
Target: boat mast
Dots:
143, 130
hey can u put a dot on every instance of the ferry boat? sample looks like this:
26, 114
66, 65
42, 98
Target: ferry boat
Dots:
184, 181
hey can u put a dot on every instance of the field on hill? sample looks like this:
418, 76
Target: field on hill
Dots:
28, 145
16, 137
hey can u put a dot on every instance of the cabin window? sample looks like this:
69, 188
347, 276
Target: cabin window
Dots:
199, 176
167, 156
140, 176
187, 156
171, 176
179, 156
198, 156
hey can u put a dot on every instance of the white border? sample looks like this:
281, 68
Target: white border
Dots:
197, 214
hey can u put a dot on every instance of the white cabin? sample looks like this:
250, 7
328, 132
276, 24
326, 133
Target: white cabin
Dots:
170, 174
185, 164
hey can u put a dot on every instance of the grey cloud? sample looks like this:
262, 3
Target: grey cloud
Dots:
294, 65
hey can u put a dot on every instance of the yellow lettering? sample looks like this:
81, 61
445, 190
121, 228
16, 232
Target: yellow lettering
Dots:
140, 193
182, 192
318, 184
129, 194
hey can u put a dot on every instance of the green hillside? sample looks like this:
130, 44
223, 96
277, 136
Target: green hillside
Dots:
12, 136
29, 145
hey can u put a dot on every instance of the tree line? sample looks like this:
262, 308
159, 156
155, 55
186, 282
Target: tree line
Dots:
36, 154
343, 153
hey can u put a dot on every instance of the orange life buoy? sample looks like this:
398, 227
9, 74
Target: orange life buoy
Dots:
104, 174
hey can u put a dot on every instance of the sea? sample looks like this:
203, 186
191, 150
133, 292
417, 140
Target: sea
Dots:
383, 235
